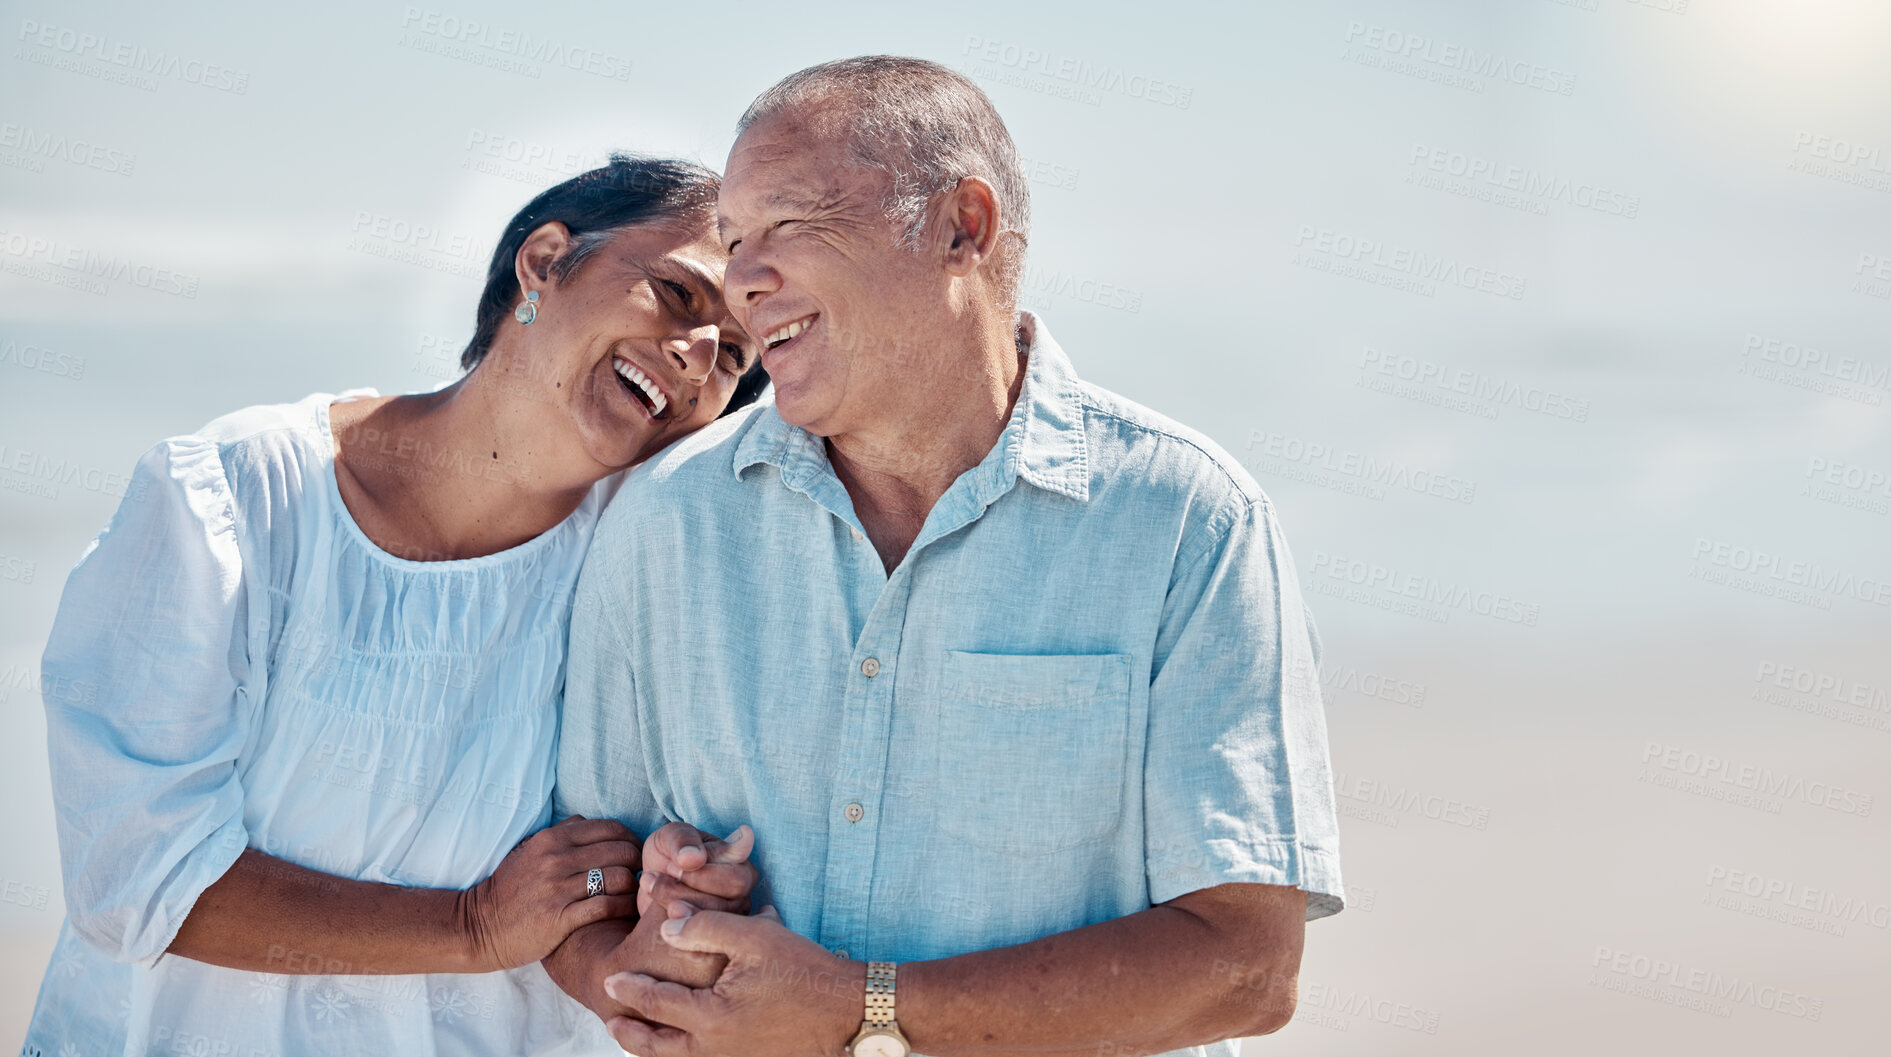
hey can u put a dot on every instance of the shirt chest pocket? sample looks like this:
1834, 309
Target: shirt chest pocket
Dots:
1032, 750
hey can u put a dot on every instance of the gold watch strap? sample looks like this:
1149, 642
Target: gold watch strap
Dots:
880, 978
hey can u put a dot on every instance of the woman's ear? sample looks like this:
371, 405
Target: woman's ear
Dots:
533, 263
970, 222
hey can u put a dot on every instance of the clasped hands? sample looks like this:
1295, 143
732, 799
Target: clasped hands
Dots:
699, 975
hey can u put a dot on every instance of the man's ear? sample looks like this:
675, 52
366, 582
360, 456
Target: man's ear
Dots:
969, 221
533, 263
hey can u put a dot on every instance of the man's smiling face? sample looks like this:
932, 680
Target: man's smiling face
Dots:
817, 274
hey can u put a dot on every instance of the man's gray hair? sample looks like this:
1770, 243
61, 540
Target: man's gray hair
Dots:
925, 124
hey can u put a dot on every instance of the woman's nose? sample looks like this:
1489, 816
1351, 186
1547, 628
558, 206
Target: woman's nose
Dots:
694, 353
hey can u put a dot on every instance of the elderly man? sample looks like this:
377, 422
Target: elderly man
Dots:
1011, 676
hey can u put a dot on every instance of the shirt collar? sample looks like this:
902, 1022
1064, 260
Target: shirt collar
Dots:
1043, 444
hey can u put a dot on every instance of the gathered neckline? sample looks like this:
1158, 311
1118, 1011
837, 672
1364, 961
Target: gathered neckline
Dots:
353, 528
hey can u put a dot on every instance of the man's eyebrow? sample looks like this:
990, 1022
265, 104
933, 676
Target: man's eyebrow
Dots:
789, 200
794, 201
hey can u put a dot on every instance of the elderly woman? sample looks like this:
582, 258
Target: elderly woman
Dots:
308, 678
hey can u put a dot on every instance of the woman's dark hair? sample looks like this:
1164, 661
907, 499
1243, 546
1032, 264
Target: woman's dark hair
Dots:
593, 205
754, 380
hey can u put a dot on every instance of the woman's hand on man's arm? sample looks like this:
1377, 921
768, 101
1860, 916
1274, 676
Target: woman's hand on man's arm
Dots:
269, 915
684, 869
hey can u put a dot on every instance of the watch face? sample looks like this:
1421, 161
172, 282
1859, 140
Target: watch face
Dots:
880, 1044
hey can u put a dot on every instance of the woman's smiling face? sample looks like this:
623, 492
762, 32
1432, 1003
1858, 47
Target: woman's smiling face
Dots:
635, 337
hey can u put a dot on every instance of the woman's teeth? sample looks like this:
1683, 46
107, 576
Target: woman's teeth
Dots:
629, 373
788, 332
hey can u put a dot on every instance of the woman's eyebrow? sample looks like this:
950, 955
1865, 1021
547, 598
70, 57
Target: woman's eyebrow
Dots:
742, 357
709, 284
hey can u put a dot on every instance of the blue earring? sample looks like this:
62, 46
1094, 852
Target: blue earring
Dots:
528, 311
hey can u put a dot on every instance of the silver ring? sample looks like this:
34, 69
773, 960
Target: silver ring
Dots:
594, 884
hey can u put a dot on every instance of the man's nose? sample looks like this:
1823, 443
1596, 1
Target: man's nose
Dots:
748, 279
694, 352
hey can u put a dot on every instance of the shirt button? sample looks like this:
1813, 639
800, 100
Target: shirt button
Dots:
870, 667
840, 952
857, 536
855, 812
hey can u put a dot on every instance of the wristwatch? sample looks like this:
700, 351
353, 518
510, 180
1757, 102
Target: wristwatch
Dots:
879, 1032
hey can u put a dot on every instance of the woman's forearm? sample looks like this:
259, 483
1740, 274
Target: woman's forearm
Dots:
268, 915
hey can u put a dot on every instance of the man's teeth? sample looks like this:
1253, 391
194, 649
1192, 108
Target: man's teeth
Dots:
629, 372
788, 332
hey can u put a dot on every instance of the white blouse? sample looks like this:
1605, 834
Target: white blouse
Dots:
234, 664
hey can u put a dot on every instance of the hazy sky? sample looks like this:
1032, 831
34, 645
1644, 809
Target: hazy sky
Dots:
1559, 333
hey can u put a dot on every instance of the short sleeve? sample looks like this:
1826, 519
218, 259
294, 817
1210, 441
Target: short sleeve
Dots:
602, 769
143, 680
1238, 783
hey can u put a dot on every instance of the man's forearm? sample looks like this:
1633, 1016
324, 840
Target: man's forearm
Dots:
1192, 971
581, 963
620, 945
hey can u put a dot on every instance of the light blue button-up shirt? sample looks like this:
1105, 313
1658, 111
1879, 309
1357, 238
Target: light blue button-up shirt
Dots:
1089, 687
